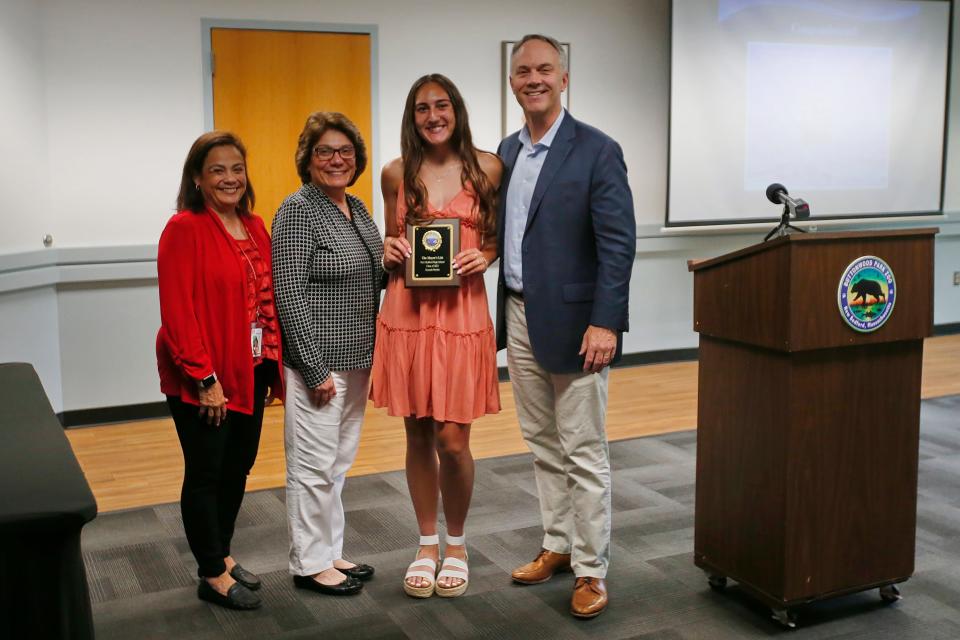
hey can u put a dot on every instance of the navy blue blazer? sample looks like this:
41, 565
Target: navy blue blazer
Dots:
578, 246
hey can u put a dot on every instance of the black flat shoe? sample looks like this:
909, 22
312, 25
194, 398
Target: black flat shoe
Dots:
249, 580
238, 597
361, 572
348, 587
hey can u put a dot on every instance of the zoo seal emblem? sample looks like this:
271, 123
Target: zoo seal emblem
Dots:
432, 240
867, 293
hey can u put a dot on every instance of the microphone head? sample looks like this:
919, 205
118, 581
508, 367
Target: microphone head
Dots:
775, 189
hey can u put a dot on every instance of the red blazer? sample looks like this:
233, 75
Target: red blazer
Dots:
203, 308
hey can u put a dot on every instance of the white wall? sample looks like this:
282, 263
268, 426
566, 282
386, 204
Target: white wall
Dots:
125, 88
951, 192
28, 317
100, 100
23, 143
108, 359
31, 334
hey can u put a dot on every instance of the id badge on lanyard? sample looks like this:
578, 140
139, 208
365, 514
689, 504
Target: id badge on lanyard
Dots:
256, 339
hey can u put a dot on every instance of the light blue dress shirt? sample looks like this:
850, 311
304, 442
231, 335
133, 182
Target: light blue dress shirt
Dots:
526, 171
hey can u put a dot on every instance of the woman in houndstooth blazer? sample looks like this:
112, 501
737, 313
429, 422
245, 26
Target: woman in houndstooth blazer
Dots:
327, 269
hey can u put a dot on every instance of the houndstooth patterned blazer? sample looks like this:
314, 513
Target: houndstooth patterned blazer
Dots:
327, 275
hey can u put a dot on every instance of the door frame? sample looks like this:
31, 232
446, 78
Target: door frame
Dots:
206, 47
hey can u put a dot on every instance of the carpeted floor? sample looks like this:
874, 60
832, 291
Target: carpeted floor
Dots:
142, 579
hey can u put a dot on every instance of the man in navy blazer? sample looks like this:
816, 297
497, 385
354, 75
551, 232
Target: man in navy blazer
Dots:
567, 239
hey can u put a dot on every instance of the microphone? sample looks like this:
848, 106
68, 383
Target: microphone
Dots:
778, 194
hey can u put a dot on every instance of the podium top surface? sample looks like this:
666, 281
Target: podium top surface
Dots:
798, 292
696, 265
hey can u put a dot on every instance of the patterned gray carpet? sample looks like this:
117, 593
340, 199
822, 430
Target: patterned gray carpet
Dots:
142, 584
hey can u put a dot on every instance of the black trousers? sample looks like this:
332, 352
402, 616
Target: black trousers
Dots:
216, 461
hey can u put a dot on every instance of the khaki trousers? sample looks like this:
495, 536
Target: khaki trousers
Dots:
562, 418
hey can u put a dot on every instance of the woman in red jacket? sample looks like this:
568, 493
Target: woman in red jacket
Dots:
218, 352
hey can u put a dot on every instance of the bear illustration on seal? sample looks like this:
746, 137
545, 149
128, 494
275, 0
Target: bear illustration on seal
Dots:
864, 288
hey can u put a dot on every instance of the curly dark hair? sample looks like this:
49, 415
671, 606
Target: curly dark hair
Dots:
319, 122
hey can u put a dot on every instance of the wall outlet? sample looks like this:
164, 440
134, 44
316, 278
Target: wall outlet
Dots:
956, 278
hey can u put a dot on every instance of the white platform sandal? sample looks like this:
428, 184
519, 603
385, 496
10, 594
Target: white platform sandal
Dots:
422, 568
453, 568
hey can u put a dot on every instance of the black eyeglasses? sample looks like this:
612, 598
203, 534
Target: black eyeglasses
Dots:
326, 153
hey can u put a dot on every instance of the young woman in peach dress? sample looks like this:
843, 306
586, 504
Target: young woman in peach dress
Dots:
434, 361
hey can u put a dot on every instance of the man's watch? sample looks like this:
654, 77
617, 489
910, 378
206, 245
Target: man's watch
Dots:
209, 381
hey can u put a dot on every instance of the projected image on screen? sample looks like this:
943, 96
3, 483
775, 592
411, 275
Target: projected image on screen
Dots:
837, 127
841, 101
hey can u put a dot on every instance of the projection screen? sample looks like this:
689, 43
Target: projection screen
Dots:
843, 102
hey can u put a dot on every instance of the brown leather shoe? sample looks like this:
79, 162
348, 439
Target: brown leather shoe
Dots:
542, 568
589, 597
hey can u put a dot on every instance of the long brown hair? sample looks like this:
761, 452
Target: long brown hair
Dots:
412, 151
190, 198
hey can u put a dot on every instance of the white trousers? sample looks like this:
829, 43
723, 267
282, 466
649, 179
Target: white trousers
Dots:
563, 419
320, 444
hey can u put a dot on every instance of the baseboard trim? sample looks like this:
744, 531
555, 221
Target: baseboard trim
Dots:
105, 415
127, 413
636, 359
658, 357
947, 329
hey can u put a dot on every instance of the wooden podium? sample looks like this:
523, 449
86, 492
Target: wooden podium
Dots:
808, 430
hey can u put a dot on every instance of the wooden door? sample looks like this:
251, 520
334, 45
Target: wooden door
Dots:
266, 83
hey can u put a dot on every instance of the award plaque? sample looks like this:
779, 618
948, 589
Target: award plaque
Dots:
433, 243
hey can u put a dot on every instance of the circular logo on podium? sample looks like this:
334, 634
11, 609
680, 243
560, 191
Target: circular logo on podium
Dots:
432, 240
867, 293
